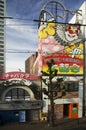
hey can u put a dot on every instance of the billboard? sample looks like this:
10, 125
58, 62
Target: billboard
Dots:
64, 44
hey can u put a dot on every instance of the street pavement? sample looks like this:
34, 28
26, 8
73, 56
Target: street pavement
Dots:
60, 125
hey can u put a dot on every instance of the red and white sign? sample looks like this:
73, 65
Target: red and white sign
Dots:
18, 75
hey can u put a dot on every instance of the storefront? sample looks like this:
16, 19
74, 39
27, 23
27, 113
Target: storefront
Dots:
20, 98
20, 111
68, 105
66, 111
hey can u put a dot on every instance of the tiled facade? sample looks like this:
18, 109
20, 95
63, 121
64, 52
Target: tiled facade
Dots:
2, 35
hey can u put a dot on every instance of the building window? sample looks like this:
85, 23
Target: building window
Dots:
71, 87
17, 94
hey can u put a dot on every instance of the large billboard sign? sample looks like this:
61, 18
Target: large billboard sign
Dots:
63, 44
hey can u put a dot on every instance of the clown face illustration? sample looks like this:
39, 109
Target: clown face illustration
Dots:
72, 33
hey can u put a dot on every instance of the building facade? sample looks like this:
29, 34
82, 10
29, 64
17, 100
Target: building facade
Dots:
20, 97
56, 42
2, 35
67, 103
62, 42
81, 19
30, 63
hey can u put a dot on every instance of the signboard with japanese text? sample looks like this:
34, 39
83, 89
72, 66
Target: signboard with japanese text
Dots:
18, 75
64, 44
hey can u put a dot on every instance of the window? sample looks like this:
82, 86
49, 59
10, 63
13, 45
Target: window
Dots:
17, 94
71, 87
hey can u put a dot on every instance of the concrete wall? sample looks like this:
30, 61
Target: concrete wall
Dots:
82, 21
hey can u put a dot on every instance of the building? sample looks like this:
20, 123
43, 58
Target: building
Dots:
20, 97
68, 100
29, 64
64, 43
81, 19
2, 35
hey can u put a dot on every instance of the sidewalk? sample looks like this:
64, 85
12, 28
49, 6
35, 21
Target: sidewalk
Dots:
68, 124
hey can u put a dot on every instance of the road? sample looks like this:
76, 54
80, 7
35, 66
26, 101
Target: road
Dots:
61, 125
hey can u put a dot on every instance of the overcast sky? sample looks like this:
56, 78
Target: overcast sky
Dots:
21, 31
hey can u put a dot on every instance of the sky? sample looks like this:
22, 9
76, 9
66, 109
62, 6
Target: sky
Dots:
21, 30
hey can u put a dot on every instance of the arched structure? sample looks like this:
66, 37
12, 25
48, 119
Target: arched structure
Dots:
27, 89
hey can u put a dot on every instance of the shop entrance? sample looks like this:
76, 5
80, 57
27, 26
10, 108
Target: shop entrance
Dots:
70, 110
32, 115
66, 110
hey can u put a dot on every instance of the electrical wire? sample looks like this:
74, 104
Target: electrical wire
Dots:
35, 20
28, 24
32, 51
19, 51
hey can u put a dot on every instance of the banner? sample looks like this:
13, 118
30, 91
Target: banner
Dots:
63, 44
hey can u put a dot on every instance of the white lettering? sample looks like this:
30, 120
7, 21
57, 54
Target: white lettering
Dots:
76, 51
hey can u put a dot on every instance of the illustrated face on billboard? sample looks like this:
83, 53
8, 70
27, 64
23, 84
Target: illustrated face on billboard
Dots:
72, 33
63, 43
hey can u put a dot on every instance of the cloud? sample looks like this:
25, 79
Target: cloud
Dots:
13, 63
22, 30
19, 38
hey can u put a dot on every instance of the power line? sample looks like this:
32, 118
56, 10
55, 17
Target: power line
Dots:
32, 51
24, 19
20, 24
13, 18
9, 17
35, 20
19, 51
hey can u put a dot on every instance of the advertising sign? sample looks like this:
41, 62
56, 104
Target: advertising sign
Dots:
63, 44
18, 75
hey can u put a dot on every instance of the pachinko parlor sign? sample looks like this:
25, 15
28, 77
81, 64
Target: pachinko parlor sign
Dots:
63, 44
18, 75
